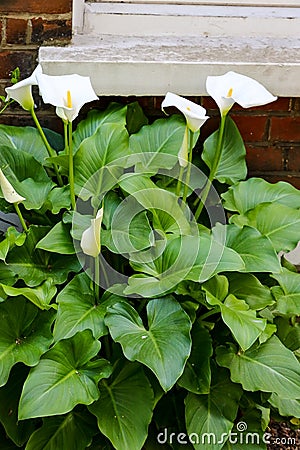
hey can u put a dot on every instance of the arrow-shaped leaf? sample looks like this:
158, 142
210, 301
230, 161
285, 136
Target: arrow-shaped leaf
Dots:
154, 346
269, 368
64, 377
124, 408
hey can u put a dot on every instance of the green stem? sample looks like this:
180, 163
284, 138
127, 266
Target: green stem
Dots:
66, 136
189, 169
6, 105
50, 150
96, 278
71, 166
213, 169
21, 217
179, 181
209, 313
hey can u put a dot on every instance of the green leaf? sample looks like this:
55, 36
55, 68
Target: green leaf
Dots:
40, 296
7, 276
24, 334
288, 332
101, 158
277, 222
25, 139
216, 289
288, 297
72, 431
80, 222
167, 323
135, 118
35, 266
114, 114
210, 417
232, 166
78, 311
27, 176
18, 432
157, 145
248, 194
124, 408
64, 377
59, 198
285, 406
12, 237
195, 258
55, 139
267, 333
247, 287
246, 241
168, 216
58, 240
129, 233
270, 367
242, 321
197, 374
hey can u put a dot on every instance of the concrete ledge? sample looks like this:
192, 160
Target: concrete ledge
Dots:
153, 65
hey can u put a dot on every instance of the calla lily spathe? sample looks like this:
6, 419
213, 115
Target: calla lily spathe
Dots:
21, 92
233, 88
195, 117
9, 193
194, 114
67, 92
90, 239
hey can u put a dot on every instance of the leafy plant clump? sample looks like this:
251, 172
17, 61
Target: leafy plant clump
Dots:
144, 303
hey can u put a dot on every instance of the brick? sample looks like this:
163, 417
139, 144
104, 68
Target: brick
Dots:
208, 103
264, 158
36, 6
16, 31
46, 30
252, 128
9, 60
209, 127
285, 129
294, 159
296, 105
281, 104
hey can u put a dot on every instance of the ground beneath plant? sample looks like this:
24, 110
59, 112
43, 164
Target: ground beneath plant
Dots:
283, 436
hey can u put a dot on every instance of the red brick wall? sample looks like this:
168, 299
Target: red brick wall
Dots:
271, 133
27, 24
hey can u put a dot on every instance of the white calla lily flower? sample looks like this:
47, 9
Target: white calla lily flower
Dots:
67, 92
194, 114
21, 92
233, 88
90, 239
8, 191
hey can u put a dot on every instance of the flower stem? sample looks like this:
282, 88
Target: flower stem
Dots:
18, 211
50, 150
179, 181
213, 169
66, 136
189, 169
96, 278
71, 166
6, 105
